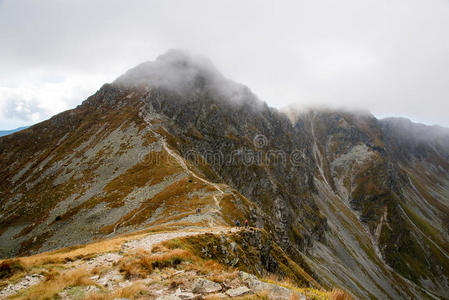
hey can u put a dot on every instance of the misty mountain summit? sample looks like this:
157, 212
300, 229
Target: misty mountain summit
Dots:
176, 68
334, 199
188, 75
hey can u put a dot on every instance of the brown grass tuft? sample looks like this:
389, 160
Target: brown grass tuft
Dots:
159, 248
137, 268
56, 282
133, 291
212, 266
170, 259
142, 264
295, 296
337, 294
219, 278
10, 267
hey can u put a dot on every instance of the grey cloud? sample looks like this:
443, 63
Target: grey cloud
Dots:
390, 57
176, 69
185, 72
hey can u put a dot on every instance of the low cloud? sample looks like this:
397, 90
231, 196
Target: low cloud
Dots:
385, 56
186, 73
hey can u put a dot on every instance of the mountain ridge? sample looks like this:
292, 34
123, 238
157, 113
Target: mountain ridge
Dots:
344, 194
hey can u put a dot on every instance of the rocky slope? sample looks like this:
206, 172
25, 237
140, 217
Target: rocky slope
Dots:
163, 266
359, 203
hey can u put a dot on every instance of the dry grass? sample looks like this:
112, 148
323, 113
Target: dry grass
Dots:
159, 249
10, 267
212, 266
142, 263
133, 291
171, 258
311, 293
75, 252
219, 278
55, 282
136, 268
259, 296
337, 294
295, 296
130, 291
282, 281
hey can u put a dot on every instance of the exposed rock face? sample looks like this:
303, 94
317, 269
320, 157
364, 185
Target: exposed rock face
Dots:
376, 168
363, 202
254, 251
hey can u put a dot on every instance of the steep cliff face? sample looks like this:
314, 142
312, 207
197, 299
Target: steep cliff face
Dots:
361, 202
367, 178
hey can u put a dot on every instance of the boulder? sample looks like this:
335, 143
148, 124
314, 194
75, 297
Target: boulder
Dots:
242, 290
218, 296
206, 286
185, 295
168, 297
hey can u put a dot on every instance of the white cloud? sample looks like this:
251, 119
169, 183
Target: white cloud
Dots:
31, 102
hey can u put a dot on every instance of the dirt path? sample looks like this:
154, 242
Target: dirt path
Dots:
181, 161
147, 242
183, 164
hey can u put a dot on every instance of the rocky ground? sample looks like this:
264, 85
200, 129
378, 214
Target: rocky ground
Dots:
140, 267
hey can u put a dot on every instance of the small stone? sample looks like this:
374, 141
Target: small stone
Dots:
234, 262
168, 297
124, 284
242, 290
234, 246
206, 286
248, 278
109, 279
218, 295
91, 288
178, 272
184, 295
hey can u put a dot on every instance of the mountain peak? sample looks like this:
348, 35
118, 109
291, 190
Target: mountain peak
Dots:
189, 75
177, 69
184, 59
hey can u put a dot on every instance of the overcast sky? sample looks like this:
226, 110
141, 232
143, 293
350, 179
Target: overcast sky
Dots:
389, 57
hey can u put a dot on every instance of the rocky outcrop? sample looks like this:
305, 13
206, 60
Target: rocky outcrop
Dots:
252, 250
